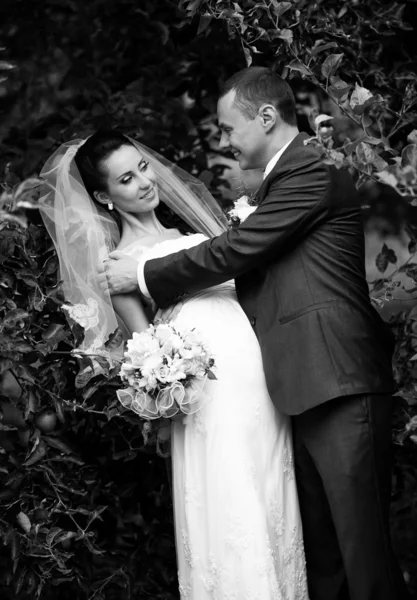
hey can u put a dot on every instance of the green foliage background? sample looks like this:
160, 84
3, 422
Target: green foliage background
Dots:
85, 507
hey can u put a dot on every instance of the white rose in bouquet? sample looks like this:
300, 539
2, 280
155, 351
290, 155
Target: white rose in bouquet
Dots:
164, 371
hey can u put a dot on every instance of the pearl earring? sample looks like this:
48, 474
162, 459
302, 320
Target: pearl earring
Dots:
110, 206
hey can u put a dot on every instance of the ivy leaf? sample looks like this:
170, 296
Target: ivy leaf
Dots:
365, 153
204, 23
58, 444
320, 47
387, 178
85, 374
59, 410
51, 265
412, 137
54, 333
390, 254
6, 65
359, 96
28, 278
88, 391
366, 119
378, 285
19, 579
339, 89
279, 8
37, 301
191, 6
248, 56
331, 64
385, 257
337, 158
24, 522
52, 534
297, 65
412, 246
15, 547
115, 340
381, 262
321, 119
7, 280
5, 365
409, 156
27, 192
379, 163
342, 11
67, 535
37, 454
15, 315
21, 346
18, 217
286, 35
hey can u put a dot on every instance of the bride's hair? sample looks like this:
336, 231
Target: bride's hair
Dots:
84, 232
92, 154
89, 160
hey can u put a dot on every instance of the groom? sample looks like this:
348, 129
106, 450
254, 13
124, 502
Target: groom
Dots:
298, 262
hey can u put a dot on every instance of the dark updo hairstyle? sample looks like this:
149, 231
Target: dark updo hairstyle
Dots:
89, 161
91, 155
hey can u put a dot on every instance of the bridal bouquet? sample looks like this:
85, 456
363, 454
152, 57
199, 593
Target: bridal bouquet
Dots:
165, 370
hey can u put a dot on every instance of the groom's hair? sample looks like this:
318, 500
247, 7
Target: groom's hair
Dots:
255, 86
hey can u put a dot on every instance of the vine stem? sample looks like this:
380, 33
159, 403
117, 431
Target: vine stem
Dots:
106, 582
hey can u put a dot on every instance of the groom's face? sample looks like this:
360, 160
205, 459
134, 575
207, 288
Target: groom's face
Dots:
243, 136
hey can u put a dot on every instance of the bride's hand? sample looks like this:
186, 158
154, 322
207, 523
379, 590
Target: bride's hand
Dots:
121, 273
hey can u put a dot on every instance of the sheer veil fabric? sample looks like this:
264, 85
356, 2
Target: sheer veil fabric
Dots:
83, 234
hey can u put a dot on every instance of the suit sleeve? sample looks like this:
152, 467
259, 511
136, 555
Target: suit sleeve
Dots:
296, 201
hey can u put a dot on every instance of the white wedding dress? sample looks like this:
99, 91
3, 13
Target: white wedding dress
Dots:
237, 520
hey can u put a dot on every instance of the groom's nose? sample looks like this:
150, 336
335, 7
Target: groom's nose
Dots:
224, 141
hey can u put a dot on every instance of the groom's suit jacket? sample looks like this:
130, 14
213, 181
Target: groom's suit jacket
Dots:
298, 264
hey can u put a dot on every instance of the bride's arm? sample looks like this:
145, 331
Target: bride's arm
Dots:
130, 309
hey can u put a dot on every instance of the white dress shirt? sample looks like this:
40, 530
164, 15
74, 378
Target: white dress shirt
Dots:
141, 279
275, 159
140, 271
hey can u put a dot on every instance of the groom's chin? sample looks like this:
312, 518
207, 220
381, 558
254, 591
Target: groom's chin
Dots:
243, 164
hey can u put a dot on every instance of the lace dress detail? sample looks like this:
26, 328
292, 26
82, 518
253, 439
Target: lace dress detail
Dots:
237, 521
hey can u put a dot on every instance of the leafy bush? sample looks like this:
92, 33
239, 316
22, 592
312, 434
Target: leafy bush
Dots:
84, 503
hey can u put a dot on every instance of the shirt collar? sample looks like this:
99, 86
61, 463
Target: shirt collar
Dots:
275, 159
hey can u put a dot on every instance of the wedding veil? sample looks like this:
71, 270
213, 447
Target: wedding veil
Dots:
84, 234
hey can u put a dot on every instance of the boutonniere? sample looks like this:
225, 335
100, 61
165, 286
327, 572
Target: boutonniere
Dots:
242, 208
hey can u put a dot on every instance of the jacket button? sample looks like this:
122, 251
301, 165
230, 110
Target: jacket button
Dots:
252, 321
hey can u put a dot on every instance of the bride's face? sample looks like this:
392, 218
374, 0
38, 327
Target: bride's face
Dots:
131, 181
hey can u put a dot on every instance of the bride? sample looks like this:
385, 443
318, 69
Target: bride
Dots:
237, 522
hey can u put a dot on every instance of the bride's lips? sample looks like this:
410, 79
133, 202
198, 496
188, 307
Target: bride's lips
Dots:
148, 195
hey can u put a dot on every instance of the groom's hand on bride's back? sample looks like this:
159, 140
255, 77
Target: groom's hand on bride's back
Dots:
120, 272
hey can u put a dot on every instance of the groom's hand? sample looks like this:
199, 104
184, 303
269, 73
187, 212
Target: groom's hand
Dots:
121, 273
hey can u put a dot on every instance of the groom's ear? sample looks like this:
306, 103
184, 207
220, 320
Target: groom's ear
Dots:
268, 116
